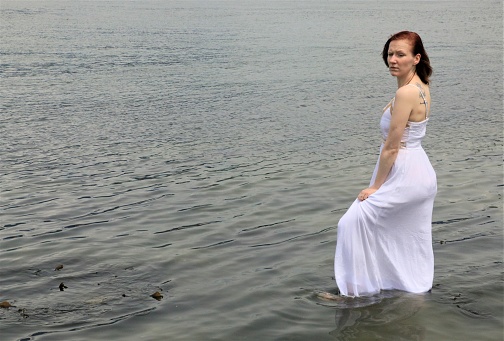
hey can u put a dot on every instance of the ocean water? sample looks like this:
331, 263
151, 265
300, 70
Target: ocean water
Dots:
207, 149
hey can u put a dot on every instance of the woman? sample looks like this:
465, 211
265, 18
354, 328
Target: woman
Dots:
384, 239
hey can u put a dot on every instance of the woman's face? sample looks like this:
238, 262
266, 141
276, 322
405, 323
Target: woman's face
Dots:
400, 58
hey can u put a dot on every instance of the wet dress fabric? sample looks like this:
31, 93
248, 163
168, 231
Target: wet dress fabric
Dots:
385, 241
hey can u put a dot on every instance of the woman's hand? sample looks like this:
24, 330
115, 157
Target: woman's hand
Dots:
365, 193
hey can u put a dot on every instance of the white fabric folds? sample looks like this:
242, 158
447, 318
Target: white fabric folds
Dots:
385, 241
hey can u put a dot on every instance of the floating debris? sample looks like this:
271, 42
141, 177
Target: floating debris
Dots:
62, 286
23, 313
157, 295
59, 267
5, 305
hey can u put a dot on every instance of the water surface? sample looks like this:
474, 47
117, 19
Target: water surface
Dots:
207, 149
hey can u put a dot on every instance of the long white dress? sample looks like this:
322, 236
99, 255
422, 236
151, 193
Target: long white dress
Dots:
385, 241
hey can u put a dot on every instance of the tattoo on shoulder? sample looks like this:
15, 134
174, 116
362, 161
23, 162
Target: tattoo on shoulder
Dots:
420, 87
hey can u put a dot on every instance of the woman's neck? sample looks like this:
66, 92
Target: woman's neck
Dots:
406, 79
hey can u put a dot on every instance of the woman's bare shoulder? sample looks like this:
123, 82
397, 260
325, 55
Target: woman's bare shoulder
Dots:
407, 93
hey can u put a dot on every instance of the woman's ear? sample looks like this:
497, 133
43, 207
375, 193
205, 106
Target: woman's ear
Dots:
417, 59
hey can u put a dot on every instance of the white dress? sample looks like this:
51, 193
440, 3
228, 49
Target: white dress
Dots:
385, 241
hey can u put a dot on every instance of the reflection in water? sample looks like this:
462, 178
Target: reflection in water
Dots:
388, 316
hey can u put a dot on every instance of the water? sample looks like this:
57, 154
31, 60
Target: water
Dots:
206, 150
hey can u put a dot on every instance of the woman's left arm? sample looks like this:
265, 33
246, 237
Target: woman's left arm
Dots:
405, 99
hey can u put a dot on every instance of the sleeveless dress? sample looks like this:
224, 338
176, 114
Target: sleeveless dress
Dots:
385, 241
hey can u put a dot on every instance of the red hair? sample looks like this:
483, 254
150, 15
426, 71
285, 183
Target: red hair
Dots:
423, 68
